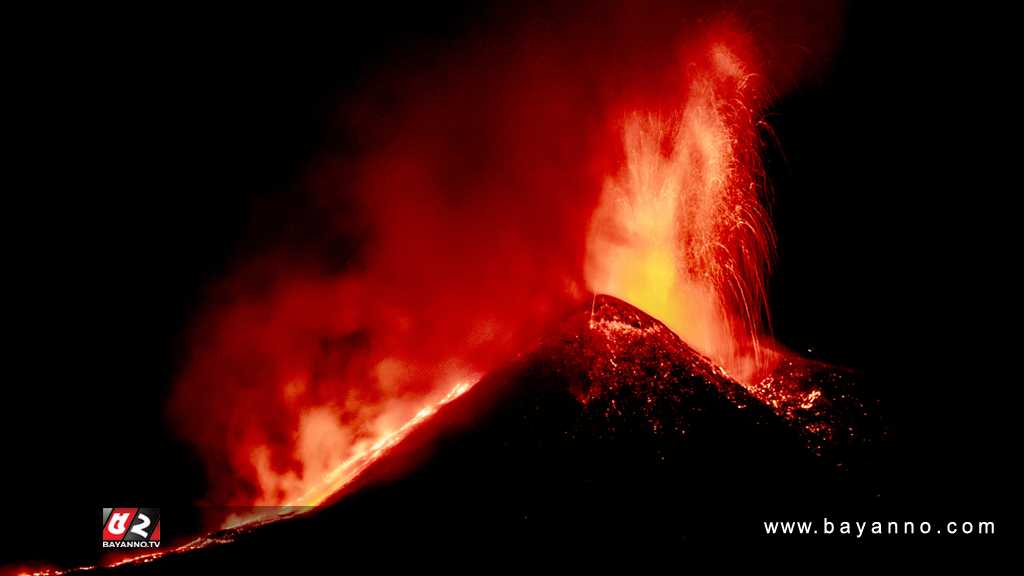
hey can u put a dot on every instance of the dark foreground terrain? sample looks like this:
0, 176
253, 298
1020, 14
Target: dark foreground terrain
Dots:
613, 438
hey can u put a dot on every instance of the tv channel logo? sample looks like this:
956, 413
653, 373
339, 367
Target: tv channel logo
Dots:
131, 528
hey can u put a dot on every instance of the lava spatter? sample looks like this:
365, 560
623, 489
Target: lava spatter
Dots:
619, 360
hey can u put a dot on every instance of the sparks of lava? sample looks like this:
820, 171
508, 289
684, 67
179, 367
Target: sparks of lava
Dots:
470, 235
681, 231
303, 375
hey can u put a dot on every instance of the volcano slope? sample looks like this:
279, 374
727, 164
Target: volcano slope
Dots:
612, 435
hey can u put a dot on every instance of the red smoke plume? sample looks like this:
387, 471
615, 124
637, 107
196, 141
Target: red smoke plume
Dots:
609, 147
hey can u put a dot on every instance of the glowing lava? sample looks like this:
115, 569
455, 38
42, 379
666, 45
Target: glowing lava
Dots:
681, 232
474, 229
341, 476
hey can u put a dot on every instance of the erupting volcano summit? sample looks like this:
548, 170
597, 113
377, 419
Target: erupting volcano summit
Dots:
611, 421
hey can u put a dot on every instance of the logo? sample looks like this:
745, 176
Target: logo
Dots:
131, 527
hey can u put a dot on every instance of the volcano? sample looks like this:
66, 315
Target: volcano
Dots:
611, 434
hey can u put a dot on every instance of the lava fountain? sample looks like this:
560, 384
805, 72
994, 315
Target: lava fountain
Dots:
681, 232
489, 193
492, 191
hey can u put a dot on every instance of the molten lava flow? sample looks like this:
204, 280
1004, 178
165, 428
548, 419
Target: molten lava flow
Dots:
477, 199
331, 482
681, 232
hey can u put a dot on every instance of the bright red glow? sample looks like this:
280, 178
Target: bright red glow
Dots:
681, 231
494, 186
608, 150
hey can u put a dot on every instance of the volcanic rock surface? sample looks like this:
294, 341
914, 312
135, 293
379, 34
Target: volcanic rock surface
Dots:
611, 436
